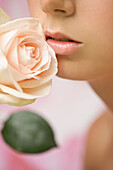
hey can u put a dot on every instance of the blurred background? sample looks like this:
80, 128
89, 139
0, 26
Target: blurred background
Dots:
70, 108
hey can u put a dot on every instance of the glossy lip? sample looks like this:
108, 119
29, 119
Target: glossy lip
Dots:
59, 35
62, 47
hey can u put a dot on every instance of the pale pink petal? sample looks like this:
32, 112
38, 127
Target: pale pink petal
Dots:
5, 40
12, 55
29, 33
15, 101
41, 79
21, 22
28, 93
32, 83
6, 77
31, 64
15, 83
4, 71
45, 76
17, 75
45, 57
43, 50
21, 34
40, 67
5, 74
52, 70
39, 91
41, 70
36, 27
44, 53
24, 70
25, 58
20, 76
39, 29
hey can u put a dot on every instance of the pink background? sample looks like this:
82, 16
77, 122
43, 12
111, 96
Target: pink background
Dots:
70, 108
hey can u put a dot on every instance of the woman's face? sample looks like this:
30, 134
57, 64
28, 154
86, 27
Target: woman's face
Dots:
86, 21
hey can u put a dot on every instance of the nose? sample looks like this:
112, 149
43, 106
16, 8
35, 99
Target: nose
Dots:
58, 7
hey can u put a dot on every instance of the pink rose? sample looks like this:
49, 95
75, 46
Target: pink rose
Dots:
27, 62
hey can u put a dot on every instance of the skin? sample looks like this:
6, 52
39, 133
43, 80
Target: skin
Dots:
99, 148
90, 22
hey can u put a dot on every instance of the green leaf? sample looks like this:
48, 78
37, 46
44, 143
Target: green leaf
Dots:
27, 132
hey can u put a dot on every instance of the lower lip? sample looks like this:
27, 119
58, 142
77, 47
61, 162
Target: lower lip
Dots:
64, 47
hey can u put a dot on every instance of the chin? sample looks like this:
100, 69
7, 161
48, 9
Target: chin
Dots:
69, 76
77, 75
68, 69
76, 71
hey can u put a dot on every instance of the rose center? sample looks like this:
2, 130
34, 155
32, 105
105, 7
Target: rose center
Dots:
30, 51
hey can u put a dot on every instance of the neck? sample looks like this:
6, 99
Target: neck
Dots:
104, 88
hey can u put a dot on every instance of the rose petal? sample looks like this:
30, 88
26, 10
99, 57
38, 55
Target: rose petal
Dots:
6, 40
45, 76
4, 70
25, 58
5, 74
6, 77
17, 75
45, 57
28, 23
15, 83
39, 29
15, 101
12, 56
24, 70
52, 70
28, 93
23, 34
44, 52
40, 91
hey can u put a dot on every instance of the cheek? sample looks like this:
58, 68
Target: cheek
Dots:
93, 20
35, 9
97, 18
97, 25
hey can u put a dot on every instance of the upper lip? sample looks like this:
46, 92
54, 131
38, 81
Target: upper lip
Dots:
59, 36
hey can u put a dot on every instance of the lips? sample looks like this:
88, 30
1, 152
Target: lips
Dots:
61, 44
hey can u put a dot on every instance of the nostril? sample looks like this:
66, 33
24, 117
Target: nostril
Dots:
58, 7
59, 10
